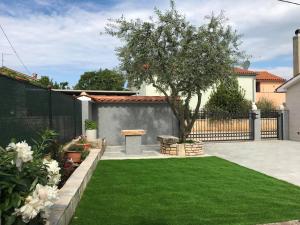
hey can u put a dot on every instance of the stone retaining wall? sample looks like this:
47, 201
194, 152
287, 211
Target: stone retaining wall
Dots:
168, 149
193, 149
70, 194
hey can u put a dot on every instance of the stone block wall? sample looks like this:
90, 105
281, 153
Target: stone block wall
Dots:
194, 149
190, 149
168, 149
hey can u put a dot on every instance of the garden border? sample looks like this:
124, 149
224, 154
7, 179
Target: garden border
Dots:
69, 195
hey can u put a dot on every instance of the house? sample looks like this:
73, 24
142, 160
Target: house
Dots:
292, 90
5, 71
255, 84
246, 80
266, 85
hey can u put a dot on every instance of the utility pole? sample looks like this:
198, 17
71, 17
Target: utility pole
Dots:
2, 58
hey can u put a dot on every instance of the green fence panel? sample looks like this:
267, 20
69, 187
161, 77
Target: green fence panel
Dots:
26, 109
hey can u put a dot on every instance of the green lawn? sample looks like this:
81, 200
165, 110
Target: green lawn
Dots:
184, 192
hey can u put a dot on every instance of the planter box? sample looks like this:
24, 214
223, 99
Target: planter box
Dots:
74, 156
193, 149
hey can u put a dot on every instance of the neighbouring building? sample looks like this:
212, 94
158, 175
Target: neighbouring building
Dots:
246, 80
266, 85
255, 84
292, 90
5, 71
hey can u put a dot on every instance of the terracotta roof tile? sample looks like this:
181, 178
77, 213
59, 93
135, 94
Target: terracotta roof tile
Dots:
128, 99
260, 75
266, 76
5, 71
244, 71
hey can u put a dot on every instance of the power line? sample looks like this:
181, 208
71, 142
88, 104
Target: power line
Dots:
14, 50
290, 2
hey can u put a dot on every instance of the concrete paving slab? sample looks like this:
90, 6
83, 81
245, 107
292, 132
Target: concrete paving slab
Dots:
148, 152
279, 159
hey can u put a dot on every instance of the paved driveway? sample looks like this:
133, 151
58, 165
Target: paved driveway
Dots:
279, 159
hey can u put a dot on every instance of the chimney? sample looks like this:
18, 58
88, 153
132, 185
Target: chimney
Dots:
296, 52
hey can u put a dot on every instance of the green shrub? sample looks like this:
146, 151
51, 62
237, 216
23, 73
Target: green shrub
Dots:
46, 144
228, 98
76, 148
90, 125
265, 104
85, 154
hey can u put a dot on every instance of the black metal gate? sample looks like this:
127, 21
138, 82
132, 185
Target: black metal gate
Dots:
270, 123
220, 126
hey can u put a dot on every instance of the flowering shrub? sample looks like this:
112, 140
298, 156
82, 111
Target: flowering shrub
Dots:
27, 185
53, 171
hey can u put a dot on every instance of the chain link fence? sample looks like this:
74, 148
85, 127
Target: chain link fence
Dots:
26, 110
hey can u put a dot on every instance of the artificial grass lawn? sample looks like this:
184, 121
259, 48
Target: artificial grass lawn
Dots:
190, 191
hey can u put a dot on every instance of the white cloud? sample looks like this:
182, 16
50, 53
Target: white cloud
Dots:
285, 72
72, 39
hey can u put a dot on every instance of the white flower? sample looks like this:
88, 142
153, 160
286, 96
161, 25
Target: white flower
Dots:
46, 194
53, 171
24, 153
30, 210
11, 146
40, 201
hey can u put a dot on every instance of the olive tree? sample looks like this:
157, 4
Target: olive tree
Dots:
179, 59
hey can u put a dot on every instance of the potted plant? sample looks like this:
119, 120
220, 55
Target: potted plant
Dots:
83, 142
91, 130
74, 153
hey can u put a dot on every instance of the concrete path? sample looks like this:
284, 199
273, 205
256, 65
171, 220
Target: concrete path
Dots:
149, 152
279, 159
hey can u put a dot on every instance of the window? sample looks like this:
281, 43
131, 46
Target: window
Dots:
257, 86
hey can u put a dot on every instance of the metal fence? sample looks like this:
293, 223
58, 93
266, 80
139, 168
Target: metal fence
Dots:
220, 126
270, 124
26, 110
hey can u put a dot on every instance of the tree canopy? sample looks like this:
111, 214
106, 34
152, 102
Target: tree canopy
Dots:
46, 82
177, 58
101, 80
228, 98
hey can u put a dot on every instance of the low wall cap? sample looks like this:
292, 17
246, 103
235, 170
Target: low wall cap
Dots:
129, 99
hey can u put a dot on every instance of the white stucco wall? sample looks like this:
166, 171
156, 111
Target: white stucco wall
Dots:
293, 105
247, 83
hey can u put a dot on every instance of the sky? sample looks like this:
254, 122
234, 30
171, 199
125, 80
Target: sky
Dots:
62, 38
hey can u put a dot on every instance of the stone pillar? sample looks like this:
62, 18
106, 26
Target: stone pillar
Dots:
86, 109
255, 124
283, 124
133, 141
